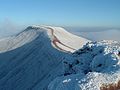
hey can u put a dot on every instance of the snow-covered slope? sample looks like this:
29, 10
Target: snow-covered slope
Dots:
50, 58
31, 59
60, 38
96, 64
66, 40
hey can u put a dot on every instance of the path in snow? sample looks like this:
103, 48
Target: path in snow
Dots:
56, 40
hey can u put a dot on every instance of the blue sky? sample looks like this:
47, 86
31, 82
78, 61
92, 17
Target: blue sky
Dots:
85, 13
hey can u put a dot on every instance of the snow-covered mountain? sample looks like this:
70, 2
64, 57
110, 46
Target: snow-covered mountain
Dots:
60, 38
31, 59
50, 58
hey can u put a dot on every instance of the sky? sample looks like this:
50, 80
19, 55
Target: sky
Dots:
78, 13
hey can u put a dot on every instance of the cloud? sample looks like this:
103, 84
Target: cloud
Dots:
98, 34
8, 27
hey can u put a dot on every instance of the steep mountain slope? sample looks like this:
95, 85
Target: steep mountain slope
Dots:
50, 58
60, 38
29, 61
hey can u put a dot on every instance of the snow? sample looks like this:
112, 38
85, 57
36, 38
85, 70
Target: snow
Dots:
90, 67
69, 39
18, 40
50, 58
67, 80
30, 60
23, 66
32, 32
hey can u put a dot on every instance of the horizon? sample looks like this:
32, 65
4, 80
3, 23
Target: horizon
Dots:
77, 13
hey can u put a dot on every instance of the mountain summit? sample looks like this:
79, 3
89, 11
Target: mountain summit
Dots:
59, 37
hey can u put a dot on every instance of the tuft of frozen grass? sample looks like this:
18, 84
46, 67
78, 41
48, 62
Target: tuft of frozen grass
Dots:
112, 86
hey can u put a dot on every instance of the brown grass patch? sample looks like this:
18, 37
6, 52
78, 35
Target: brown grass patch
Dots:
111, 86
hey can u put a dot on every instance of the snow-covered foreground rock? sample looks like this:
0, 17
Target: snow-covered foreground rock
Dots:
31, 59
97, 63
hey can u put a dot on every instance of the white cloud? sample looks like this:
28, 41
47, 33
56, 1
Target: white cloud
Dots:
8, 27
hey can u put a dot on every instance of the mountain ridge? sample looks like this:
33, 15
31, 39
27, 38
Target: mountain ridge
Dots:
50, 58
32, 32
29, 60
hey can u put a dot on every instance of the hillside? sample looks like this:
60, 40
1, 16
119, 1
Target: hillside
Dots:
50, 58
33, 58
